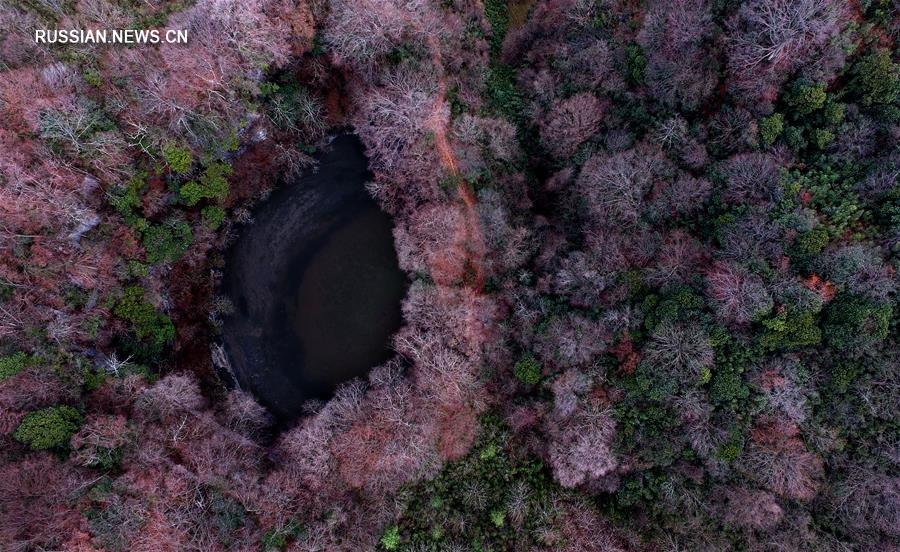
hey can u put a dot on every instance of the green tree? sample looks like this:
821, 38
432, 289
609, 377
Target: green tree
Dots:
805, 97
809, 244
852, 321
49, 427
770, 128
528, 370
128, 197
497, 13
821, 137
876, 78
501, 92
178, 158
833, 113
390, 540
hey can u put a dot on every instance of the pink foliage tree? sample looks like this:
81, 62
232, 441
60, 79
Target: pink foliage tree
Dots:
769, 39
679, 70
738, 295
571, 122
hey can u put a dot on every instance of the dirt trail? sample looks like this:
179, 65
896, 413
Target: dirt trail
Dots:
476, 249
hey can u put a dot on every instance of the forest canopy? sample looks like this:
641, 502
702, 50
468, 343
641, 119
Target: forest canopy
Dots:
652, 246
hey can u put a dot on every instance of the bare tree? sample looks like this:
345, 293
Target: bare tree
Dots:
680, 351
615, 184
769, 39
570, 122
738, 295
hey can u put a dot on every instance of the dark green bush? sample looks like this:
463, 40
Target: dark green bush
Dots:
635, 63
832, 193
502, 95
876, 78
128, 197
148, 325
790, 331
851, 321
212, 184
11, 365
167, 242
497, 13
805, 97
528, 370
770, 128
677, 304
794, 138
833, 113
48, 428
490, 472
213, 216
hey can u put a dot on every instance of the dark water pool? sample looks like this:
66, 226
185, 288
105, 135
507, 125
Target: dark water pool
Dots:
315, 284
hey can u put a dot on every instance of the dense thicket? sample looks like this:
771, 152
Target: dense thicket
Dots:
653, 248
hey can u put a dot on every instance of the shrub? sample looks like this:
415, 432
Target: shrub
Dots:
728, 386
6, 292
487, 480
178, 158
732, 358
733, 446
92, 77
528, 370
277, 539
167, 242
147, 324
390, 540
843, 375
213, 216
137, 269
680, 304
635, 63
877, 79
833, 113
128, 197
501, 92
770, 128
793, 136
497, 13
228, 516
498, 517
12, 364
48, 428
831, 192
212, 184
